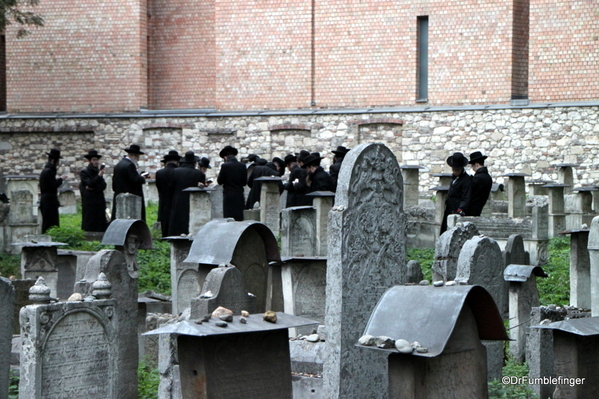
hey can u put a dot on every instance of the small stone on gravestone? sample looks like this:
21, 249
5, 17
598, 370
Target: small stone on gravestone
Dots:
221, 311
243, 320
384, 342
366, 340
76, 297
245, 313
270, 316
221, 324
424, 282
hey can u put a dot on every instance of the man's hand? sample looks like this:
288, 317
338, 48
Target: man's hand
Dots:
461, 212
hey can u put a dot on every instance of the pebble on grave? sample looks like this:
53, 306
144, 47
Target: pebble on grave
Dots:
441, 341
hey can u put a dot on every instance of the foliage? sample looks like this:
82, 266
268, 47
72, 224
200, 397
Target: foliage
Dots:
555, 289
424, 256
499, 390
13, 11
72, 236
10, 265
148, 381
13, 385
155, 268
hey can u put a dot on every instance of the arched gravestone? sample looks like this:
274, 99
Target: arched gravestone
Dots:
367, 235
448, 249
514, 253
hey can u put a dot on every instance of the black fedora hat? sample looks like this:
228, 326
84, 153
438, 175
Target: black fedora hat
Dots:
54, 153
228, 150
302, 155
340, 151
312, 159
457, 160
476, 157
92, 154
278, 161
134, 149
189, 157
205, 163
172, 155
290, 158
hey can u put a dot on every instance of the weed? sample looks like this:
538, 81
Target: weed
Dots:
148, 381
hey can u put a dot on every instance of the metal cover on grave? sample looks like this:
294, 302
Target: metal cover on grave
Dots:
117, 231
254, 323
429, 314
522, 272
585, 326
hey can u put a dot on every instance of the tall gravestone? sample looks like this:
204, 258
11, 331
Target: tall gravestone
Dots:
366, 256
593, 247
7, 299
448, 250
298, 231
514, 253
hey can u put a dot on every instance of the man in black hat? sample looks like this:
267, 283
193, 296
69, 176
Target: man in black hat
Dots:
93, 203
49, 191
481, 184
295, 196
259, 169
185, 176
233, 177
164, 179
317, 179
204, 165
126, 179
336, 166
458, 197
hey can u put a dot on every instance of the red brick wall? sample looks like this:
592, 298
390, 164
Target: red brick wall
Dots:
89, 57
181, 54
564, 50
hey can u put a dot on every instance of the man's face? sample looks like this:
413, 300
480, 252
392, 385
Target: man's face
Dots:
456, 171
311, 168
291, 165
94, 161
476, 166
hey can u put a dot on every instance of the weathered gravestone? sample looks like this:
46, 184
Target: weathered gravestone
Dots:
514, 253
40, 259
366, 255
216, 198
323, 202
200, 208
21, 299
69, 349
185, 278
593, 246
21, 219
270, 214
580, 268
223, 287
298, 231
448, 249
128, 206
481, 263
414, 272
7, 299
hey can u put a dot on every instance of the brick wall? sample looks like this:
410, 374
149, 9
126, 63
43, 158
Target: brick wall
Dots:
564, 50
87, 58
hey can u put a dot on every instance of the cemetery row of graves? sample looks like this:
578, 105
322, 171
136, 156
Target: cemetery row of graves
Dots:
300, 298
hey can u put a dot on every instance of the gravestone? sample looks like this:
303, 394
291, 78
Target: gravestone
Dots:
270, 214
200, 208
7, 299
557, 215
447, 250
298, 231
67, 274
481, 263
69, 349
40, 259
366, 255
411, 178
186, 281
565, 175
323, 202
128, 206
580, 268
223, 287
216, 198
67, 200
514, 253
516, 191
21, 299
593, 246
21, 219
414, 272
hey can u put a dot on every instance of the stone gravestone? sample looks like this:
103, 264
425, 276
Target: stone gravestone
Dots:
7, 299
216, 198
223, 287
298, 231
448, 250
414, 272
40, 259
515, 254
21, 299
366, 256
128, 206
69, 349
185, 279
481, 263
593, 247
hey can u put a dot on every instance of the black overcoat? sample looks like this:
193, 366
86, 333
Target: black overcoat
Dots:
185, 176
126, 180
296, 195
319, 181
164, 179
334, 172
481, 188
458, 197
256, 186
233, 178
93, 202
49, 196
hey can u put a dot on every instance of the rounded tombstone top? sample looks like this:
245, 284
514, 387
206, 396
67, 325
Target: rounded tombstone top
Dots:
101, 288
39, 292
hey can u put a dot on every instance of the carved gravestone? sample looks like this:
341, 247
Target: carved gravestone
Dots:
40, 259
514, 253
128, 206
366, 256
69, 350
223, 287
7, 299
481, 263
448, 250
21, 207
298, 231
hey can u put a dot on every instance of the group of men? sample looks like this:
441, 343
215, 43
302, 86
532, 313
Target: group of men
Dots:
180, 172
467, 194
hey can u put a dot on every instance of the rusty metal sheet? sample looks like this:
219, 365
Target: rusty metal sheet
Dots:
522, 272
585, 326
224, 235
254, 323
429, 314
117, 231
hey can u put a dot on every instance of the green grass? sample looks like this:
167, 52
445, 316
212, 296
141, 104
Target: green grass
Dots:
424, 256
555, 289
148, 381
498, 390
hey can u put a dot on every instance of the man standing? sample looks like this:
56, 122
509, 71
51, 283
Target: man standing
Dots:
126, 179
458, 197
233, 177
317, 179
164, 179
92, 188
336, 166
185, 176
49, 191
295, 197
481, 184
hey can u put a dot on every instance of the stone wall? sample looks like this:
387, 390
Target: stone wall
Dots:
527, 140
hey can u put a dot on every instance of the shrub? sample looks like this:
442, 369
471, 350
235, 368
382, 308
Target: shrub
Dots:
148, 381
10, 265
555, 289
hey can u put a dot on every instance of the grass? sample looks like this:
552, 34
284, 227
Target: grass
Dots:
148, 381
555, 289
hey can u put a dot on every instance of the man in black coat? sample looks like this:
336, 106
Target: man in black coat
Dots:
49, 191
164, 179
126, 179
185, 176
93, 202
458, 197
336, 166
481, 184
233, 177
296, 186
317, 179
260, 170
